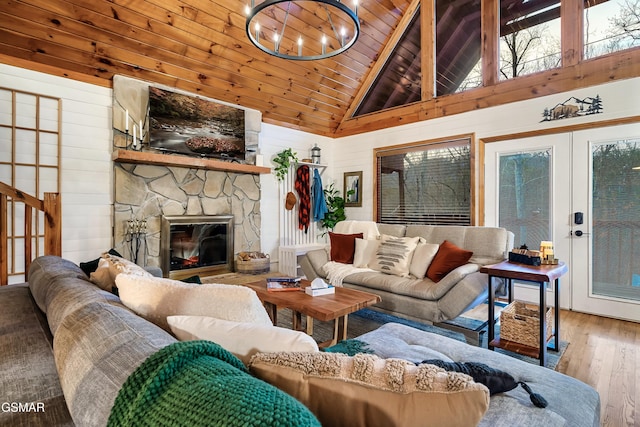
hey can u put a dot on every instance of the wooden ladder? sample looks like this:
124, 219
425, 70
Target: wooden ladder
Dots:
52, 209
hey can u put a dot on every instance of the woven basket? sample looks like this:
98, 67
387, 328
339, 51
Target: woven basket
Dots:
521, 323
253, 265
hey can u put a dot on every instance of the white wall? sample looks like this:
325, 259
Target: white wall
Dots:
86, 168
274, 139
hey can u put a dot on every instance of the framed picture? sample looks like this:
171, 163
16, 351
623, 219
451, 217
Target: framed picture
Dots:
353, 189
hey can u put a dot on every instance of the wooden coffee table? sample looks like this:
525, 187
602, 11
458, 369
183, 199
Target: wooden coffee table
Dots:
336, 307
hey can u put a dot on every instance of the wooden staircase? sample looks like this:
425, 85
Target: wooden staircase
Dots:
52, 209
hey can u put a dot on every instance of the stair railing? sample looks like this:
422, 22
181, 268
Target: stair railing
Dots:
51, 207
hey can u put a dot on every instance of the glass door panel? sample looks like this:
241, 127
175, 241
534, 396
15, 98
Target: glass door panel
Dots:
616, 218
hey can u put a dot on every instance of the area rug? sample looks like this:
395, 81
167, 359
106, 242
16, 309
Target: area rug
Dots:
367, 320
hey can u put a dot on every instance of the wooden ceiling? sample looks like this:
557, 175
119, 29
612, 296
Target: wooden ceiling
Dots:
198, 46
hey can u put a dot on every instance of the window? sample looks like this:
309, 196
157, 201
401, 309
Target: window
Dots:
400, 80
458, 43
424, 183
610, 26
29, 161
529, 37
524, 201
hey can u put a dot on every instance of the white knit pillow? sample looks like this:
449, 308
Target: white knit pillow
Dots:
241, 338
155, 298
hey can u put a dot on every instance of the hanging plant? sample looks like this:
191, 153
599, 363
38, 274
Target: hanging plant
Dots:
335, 207
283, 160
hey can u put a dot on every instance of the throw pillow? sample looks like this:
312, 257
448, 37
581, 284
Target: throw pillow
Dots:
343, 246
110, 266
394, 255
365, 252
422, 257
155, 298
365, 390
243, 339
91, 266
448, 258
497, 381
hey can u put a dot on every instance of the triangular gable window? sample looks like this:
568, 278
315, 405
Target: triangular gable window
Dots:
400, 80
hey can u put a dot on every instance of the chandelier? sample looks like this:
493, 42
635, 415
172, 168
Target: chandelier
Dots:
302, 30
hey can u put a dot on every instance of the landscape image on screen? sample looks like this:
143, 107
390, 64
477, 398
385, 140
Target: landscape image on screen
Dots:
193, 126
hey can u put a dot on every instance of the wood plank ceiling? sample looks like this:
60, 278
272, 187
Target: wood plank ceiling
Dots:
198, 46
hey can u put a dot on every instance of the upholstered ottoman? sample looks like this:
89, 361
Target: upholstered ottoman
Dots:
571, 402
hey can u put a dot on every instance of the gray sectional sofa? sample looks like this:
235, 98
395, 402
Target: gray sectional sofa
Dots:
68, 347
422, 299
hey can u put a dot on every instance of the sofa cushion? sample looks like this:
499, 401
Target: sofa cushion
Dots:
243, 339
571, 402
343, 246
44, 271
394, 255
28, 372
365, 252
96, 348
60, 294
365, 390
448, 258
421, 260
155, 298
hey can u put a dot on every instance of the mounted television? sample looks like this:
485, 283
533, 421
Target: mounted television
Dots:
194, 126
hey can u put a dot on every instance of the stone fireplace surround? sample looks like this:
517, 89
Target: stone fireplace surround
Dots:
148, 192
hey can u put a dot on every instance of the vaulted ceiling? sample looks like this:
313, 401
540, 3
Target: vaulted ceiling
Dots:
199, 46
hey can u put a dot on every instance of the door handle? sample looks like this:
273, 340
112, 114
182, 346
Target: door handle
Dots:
579, 233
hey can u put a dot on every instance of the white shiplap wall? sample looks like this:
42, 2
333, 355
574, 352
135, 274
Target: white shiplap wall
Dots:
86, 171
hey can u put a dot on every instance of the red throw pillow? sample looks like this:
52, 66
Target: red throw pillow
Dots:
343, 246
448, 258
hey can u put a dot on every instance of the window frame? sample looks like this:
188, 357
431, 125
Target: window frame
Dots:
421, 146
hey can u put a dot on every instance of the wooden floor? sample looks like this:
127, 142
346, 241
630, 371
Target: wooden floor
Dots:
605, 353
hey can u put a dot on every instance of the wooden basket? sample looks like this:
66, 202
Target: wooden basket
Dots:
521, 324
253, 265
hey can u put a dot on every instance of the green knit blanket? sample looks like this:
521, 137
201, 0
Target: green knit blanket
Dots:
199, 383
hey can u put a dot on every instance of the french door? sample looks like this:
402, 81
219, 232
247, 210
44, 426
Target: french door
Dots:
579, 190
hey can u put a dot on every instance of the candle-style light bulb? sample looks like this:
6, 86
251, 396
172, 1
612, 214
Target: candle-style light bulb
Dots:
299, 45
247, 9
324, 44
126, 120
257, 27
343, 33
141, 137
275, 42
355, 7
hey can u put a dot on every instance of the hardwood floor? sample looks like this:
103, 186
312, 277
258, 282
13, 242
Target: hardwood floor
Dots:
605, 353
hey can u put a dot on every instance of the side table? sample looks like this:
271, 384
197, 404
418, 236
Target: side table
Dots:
542, 275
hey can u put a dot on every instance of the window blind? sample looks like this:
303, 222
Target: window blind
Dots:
427, 183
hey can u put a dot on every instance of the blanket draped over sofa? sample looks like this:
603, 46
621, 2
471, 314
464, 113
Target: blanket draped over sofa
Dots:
198, 383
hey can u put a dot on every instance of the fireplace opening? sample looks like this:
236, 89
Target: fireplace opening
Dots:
193, 245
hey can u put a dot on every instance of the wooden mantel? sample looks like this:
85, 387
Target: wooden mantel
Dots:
149, 158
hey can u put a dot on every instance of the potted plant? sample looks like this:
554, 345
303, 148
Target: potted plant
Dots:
335, 207
283, 160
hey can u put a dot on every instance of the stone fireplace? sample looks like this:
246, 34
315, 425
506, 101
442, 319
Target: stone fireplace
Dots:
196, 244
152, 192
